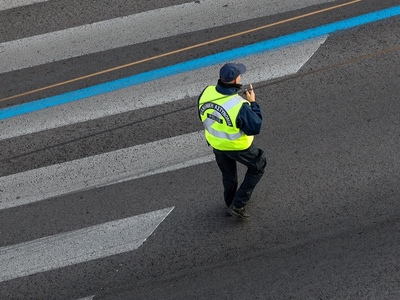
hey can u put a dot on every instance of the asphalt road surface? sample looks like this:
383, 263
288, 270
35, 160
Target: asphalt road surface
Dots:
109, 191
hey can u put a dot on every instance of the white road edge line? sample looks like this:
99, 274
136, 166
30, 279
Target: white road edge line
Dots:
78, 246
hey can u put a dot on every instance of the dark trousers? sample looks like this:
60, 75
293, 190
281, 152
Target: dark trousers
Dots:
254, 159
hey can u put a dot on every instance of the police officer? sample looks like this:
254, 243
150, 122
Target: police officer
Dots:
230, 123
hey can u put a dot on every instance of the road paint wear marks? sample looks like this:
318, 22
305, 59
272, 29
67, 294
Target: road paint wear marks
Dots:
262, 67
195, 64
137, 28
78, 246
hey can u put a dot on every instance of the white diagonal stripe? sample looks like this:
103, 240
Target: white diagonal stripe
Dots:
78, 246
103, 169
137, 28
262, 67
7, 4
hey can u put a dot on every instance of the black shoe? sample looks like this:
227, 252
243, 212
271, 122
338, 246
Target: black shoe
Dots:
239, 212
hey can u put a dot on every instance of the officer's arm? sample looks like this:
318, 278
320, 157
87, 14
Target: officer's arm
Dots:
249, 119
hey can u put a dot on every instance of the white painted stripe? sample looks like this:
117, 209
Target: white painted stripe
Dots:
261, 67
87, 298
7, 4
103, 169
78, 246
138, 28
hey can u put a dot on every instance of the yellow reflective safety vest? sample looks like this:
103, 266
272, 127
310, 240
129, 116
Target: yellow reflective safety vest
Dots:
218, 112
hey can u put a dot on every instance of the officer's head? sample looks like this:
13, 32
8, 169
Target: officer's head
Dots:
230, 72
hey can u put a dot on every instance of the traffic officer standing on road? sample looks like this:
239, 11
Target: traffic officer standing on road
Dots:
230, 123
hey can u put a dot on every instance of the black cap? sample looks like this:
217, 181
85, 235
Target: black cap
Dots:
230, 71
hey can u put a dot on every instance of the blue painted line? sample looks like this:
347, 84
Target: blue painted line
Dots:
198, 63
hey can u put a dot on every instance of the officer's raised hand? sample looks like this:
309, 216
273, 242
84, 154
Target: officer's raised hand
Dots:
250, 95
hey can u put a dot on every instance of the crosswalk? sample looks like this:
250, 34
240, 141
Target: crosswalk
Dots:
33, 185
41, 182
262, 67
149, 25
69, 248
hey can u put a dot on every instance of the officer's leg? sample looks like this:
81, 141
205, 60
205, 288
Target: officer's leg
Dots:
229, 175
255, 161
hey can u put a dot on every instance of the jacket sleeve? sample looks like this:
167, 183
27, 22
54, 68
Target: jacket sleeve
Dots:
249, 119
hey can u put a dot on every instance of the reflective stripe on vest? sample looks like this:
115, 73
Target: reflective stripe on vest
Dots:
208, 122
220, 134
218, 113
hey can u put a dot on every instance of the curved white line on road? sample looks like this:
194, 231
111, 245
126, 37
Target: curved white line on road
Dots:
137, 28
